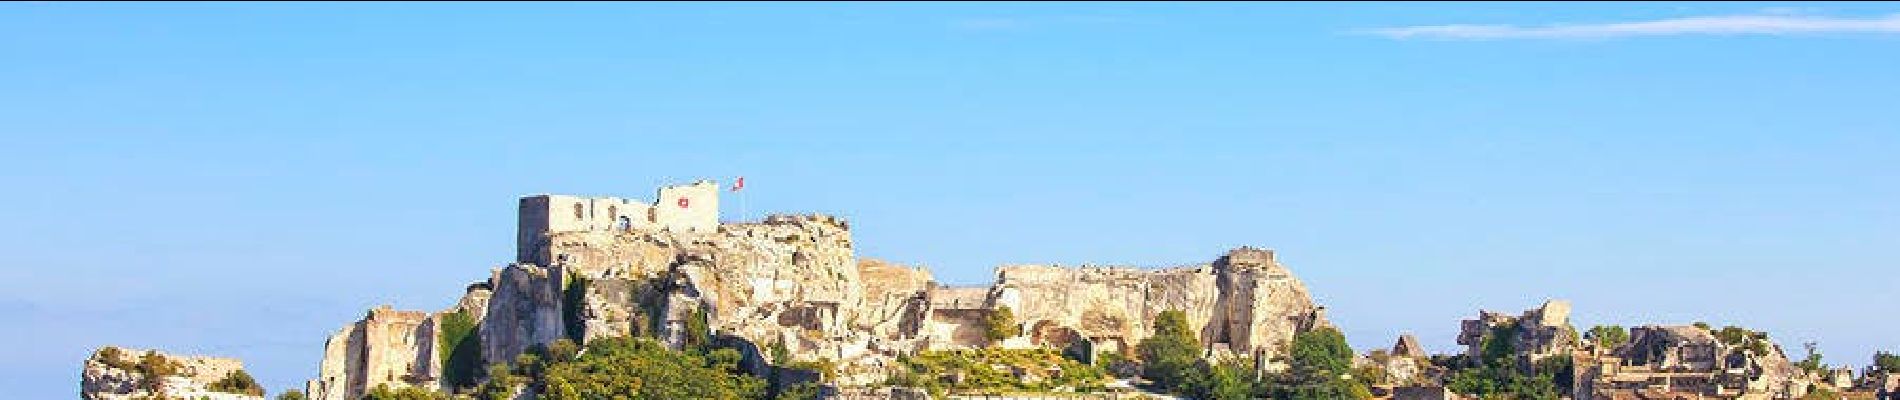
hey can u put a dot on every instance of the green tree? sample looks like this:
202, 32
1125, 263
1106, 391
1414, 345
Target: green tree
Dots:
1608, 336
1886, 362
1320, 367
1000, 324
1230, 379
292, 394
1811, 363
1168, 358
501, 383
463, 349
562, 350
238, 382
698, 334
1495, 374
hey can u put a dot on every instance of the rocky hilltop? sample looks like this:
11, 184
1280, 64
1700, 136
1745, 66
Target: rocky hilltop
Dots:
114, 373
790, 291
795, 282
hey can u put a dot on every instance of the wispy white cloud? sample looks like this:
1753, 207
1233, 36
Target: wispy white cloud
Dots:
1772, 22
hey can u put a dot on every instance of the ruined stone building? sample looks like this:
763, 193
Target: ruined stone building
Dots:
588, 268
1536, 334
1671, 362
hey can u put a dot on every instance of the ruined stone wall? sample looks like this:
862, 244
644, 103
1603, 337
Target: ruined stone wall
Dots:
1685, 362
1107, 304
693, 207
1538, 333
396, 348
1244, 303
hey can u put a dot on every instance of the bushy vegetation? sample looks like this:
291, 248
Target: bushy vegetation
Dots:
1886, 362
996, 371
292, 394
698, 333
1498, 375
1812, 363
624, 367
463, 349
1000, 324
152, 369
113, 357
572, 297
383, 392
1608, 336
1754, 341
239, 382
1169, 358
1319, 367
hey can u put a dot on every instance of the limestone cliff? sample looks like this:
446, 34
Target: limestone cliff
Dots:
115, 373
1536, 334
388, 347
795, 282
1244, 303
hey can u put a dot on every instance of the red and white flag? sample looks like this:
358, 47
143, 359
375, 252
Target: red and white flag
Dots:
740, 184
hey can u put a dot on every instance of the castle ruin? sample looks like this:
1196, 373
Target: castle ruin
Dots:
588, 268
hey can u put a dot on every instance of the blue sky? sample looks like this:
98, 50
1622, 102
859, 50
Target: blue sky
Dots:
243, 179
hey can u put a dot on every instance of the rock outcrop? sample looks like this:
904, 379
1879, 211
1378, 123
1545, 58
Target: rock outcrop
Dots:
114, 373
1537, 334
1243, 303
389, 347
386, 347
795, 282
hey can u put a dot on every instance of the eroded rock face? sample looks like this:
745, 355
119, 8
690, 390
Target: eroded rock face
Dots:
386, 347
389, 347
1243, 303
1537, 334
795, 282
524, 311
113, 373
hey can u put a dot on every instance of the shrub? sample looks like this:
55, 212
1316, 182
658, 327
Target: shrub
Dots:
1886, 362
641, 368
1168, 357
462, 347
383, 392
238, 382
995, 370
1608, 336
1000, 324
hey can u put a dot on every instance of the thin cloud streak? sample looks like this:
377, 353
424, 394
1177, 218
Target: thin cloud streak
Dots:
1763, 24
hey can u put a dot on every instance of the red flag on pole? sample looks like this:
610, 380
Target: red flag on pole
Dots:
740, 184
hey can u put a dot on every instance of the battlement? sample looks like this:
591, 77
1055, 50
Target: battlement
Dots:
680, 208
